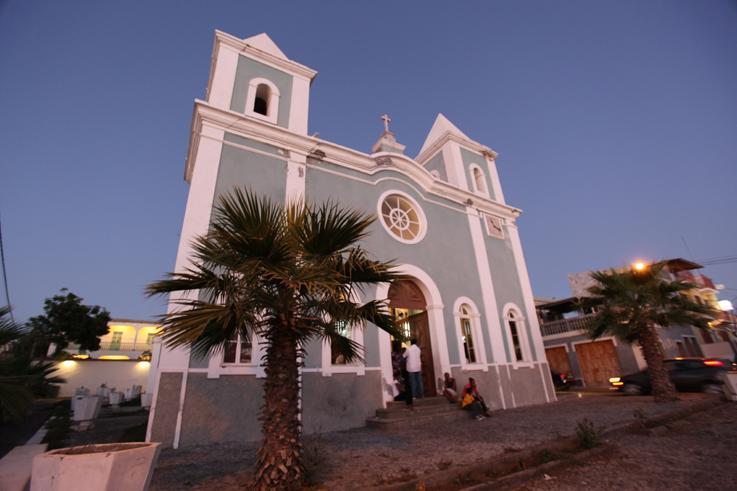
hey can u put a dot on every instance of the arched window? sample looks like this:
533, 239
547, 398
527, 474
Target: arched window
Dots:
515, 329
261, 102
469, 348
479, 180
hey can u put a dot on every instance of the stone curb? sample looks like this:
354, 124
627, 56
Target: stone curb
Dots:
439, 479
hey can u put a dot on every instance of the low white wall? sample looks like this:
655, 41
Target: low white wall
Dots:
92, 373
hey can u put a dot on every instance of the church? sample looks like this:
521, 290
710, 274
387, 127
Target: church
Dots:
441, 216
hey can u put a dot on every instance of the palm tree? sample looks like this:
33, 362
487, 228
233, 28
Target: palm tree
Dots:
20, 377
632, 304
287, 274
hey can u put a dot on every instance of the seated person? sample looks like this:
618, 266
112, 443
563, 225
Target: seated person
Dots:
450, 391
472, 390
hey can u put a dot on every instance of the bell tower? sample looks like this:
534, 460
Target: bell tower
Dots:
255, 78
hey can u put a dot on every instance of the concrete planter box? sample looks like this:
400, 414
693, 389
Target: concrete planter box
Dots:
116, 398
730, 384
108, 467
85, 408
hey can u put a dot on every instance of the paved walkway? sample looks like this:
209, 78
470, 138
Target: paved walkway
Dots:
365, 459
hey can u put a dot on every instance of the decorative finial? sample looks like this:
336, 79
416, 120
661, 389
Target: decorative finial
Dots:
386, 120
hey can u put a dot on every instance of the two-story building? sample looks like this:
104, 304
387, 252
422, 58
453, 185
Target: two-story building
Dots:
569, 349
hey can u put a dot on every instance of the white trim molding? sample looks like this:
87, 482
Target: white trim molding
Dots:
524, 342
272, 104
474, 318
484, 189
438, 339
417, 208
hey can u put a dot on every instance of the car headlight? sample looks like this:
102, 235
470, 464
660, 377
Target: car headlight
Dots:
614, 380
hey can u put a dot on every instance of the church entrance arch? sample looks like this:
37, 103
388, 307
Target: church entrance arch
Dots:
409, 308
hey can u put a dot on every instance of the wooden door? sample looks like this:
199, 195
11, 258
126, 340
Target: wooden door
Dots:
558, 359
420, 329
598, 361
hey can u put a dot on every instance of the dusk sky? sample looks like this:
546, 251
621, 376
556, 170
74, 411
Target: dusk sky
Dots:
615, 123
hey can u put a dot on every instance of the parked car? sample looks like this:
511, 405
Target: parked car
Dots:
687, 374
563, 381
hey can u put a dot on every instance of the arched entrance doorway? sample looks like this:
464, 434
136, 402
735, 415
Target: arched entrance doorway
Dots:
408, 305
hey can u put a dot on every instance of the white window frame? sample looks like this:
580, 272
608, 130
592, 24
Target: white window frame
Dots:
358, 366
272, 105
521, 323
480, 347
217, 366
418, 209
474, 185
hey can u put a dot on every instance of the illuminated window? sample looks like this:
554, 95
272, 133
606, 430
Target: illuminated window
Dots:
402, 218
150, 338
469, 348
337, 358
238, 351
115, 341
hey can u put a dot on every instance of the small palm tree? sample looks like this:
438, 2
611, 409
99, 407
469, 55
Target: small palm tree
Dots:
287, 274
20, 377
632, 304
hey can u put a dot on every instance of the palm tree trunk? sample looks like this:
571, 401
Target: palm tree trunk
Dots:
652, 350
280, 457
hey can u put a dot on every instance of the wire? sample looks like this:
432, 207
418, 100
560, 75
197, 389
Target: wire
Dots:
5, 274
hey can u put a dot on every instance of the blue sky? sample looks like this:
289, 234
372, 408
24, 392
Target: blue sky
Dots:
616, 123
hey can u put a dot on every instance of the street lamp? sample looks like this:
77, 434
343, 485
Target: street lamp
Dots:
640, 266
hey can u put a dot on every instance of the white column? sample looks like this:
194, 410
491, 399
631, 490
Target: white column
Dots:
493, 324
223, 77
296, 176
496, 185
524, 281
300, 105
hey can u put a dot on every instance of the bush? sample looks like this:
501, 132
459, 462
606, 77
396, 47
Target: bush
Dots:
589, 436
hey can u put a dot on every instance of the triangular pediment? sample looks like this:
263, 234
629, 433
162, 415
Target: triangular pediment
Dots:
265, 43
440, 127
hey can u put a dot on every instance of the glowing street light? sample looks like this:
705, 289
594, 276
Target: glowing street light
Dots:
639, 266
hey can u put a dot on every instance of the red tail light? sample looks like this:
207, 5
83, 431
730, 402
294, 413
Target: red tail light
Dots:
714, 363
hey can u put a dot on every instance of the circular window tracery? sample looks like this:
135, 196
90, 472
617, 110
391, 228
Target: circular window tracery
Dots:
402, 217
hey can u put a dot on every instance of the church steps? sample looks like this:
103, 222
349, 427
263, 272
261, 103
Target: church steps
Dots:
397, 415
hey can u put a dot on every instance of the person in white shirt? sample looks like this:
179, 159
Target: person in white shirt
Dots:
414, 369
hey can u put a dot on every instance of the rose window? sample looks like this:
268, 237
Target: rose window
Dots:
401, 218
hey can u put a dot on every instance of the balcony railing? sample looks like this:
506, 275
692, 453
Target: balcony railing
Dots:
566, 325
113, 346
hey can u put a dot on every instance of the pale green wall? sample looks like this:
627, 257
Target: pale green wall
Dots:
446, 252
437, 163
507, 287
249, 69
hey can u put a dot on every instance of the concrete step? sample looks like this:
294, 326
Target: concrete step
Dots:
413, 418
396, 411
425, 401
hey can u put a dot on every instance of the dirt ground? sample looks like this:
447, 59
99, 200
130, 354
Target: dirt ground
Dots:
694, 453
366, 458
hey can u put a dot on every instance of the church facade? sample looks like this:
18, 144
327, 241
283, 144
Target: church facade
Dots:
441, 215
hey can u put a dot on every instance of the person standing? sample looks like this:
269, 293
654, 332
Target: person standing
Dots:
414, 369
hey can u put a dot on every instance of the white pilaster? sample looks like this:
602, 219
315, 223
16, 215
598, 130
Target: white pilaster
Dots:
296, 173
496, 185
223, 78
300, 105
524, 281
493, 323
